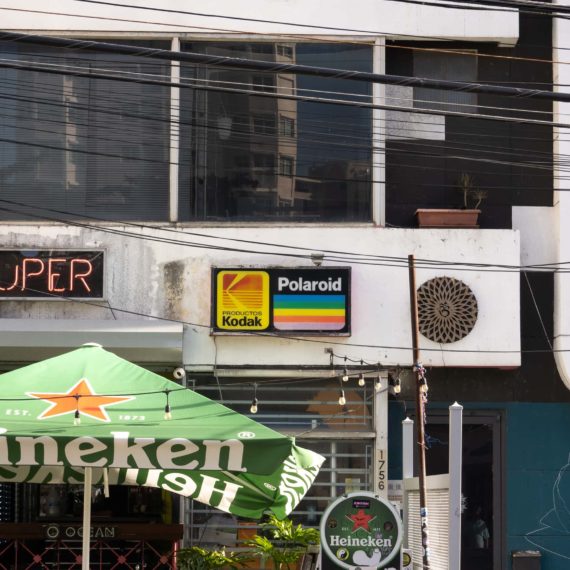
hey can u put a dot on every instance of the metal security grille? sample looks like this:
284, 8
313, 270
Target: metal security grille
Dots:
309, 410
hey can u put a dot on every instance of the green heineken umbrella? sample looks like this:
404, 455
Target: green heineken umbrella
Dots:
89, 413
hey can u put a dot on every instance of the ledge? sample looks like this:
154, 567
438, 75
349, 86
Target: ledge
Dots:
30, 340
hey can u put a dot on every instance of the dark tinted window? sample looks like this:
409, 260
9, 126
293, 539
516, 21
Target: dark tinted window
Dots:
80, 145
324, 173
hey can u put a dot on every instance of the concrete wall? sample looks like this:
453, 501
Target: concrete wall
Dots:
150, 275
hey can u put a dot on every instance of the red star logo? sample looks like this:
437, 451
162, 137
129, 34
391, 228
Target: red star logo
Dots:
360, 520
80, 397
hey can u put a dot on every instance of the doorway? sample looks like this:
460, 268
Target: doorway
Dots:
482, 526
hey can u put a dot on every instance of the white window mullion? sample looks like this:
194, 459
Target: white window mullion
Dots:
379, 137
174, 155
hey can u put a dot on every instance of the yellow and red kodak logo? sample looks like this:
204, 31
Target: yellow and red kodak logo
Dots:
242, 300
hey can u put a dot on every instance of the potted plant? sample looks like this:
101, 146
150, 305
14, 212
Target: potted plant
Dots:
286, 543
463, 217
197, 558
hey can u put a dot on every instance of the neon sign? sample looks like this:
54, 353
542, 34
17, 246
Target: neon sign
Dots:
51, 274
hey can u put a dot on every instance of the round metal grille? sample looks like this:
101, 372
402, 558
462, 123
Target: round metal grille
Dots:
447, 309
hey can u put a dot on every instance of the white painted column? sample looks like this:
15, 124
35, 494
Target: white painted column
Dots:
455, 465
381, 445
561, 79
407, 448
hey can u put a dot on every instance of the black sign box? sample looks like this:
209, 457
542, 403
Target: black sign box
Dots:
51, 274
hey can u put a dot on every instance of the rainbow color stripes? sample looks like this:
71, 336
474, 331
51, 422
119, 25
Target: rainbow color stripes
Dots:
309, 312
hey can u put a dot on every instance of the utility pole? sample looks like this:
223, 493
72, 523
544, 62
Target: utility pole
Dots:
421, 391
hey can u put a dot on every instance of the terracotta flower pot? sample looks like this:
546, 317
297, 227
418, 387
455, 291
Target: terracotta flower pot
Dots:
447, 218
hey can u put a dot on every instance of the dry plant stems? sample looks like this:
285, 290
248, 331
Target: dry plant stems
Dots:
467, 186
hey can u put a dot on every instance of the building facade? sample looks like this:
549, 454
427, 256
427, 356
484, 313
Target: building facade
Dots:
175, 166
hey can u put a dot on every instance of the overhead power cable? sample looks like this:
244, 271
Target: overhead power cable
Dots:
485, 5
234, 18
120, 98
237, 33
324, 341
529, 6
183, 85
550, 11
300, 252
265, 38
278, 67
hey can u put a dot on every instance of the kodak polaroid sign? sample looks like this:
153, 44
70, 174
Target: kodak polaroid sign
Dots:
361, 530
281, 300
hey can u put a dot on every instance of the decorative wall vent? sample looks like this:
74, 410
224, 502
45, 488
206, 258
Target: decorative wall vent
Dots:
447, 309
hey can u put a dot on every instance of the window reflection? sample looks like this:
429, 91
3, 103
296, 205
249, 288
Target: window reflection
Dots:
309, 160
83, 146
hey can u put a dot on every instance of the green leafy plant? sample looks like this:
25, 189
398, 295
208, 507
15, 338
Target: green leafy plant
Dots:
196, 558
284, 543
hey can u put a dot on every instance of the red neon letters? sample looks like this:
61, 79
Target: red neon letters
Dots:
55, 275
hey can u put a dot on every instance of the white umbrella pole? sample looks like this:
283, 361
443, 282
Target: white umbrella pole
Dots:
88, 478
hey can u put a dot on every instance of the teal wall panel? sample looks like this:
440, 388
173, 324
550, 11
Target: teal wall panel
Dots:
538, 481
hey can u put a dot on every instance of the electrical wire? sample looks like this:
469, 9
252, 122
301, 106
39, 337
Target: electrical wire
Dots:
321, 134
326, 341
346, 257
414, 110
110, 111
310, 99
491, 6
344, 41
249, 33
280, 337
280, 67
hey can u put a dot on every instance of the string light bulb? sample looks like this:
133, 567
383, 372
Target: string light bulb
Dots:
361, 381
395, 383
255, 401
341, 398
345, 371
253, 408
167, 411
378, 384
76, 416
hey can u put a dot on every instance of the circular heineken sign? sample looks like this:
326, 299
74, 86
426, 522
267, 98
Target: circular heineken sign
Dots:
361, 529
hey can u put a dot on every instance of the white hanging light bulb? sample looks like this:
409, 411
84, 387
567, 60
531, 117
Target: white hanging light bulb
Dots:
345, 375
76, 416
341, 398
361, 381
255, 401
167, 411
253, 408
397, 385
